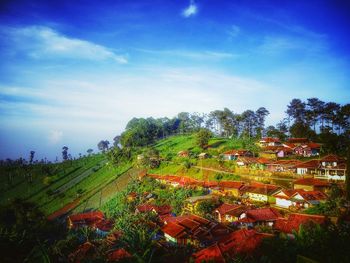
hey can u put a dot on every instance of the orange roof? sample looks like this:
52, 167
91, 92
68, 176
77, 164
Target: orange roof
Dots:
263, 214
312, 164
331, 158
269, 139
311, 195
173, 230
224, 208
311, 182
90, 216
313, 145
118, 255
295, 220
231, 184
239, 242
209, 254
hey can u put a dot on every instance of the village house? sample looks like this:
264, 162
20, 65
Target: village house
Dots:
311, 184
269, 141
299, 198
282, 166
295, 220
308, 150
234, 154
258, 192
308, 167
332, 167
228, 213
297, 141
94, 219
260, 216
273, 152
192, 229
253, 162
227, 188
240, 242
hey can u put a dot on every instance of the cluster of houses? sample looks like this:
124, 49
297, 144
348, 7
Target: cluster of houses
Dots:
330, 167
306, 192
234, 230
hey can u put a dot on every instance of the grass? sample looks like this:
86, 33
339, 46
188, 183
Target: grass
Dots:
193, 172
93, 181
20, 187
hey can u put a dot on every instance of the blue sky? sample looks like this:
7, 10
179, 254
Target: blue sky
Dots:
74, 72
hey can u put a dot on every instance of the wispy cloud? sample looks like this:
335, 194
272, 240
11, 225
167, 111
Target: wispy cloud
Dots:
40, 42
191, 10
234, 31
207, 54
280, 44
55, 137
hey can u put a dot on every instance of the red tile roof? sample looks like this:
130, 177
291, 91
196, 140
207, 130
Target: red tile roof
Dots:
295, 220
239, 242
269, 139
311, 182
174, 230
312, 195
312, 164
225, 208
313, 145
331, 158
118, 255
263, 214
209, 254
231, 184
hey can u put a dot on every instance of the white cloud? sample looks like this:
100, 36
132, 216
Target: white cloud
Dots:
191, 10
191, 54
279, 44
55, 137
41, 42
234, 31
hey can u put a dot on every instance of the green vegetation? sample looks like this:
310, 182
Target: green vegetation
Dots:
52, 186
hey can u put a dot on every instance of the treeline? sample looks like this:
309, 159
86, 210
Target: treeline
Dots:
325, 122
141, 132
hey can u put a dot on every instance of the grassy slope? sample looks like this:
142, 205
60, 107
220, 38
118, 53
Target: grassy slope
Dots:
43, 191
169, 147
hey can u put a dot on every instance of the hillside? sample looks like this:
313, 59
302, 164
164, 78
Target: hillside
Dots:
53, 186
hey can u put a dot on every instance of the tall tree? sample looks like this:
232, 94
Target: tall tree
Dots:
203, 137
31, 157
296, 110
260, 116
103, 145
65, 153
